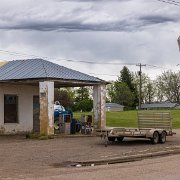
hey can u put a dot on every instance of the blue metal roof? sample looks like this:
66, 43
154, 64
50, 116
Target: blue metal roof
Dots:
158, 105
39, 68
113, 105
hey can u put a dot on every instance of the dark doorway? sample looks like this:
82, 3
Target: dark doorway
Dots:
36, 110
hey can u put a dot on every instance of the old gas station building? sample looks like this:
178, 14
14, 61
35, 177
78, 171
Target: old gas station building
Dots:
28, 84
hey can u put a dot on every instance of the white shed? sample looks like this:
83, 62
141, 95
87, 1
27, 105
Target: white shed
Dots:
114, 107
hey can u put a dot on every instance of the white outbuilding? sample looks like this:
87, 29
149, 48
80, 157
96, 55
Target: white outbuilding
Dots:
114, 107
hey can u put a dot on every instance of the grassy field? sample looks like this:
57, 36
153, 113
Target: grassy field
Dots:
129, 118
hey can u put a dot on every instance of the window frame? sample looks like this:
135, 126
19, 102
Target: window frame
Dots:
17, 108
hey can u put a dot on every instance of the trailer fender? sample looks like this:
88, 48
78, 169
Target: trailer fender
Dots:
150, 133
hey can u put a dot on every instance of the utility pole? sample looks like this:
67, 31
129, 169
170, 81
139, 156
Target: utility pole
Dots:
140, 82
178, 40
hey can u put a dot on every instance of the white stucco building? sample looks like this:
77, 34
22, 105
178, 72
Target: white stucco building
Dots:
27, 95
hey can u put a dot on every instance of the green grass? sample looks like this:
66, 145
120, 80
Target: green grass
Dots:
121, 119
77, 115
176, 118
129, 118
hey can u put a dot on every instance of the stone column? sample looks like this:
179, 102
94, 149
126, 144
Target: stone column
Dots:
46, 98
99, 102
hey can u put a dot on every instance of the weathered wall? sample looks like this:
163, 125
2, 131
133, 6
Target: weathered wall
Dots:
99, 100
25, 95
46, 107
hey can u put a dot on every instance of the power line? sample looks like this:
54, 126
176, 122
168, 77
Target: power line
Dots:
170, 2
93, 62
176, 3
20, 54
103, 74
77, 61
68, 60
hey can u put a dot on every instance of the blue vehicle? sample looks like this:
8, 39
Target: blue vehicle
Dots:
63, 116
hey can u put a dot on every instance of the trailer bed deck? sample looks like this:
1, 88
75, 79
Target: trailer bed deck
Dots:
153, 125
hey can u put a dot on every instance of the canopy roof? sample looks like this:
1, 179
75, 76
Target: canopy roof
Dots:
35, 70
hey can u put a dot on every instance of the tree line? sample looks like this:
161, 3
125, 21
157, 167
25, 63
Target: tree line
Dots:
125, 91
75, 99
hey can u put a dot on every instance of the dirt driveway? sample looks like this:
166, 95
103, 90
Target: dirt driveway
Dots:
21, 157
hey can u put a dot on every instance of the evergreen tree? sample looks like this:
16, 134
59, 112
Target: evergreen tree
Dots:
82, 93
122, 94
83, 101
127, 78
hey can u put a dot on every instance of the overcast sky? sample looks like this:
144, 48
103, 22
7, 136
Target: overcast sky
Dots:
103, 31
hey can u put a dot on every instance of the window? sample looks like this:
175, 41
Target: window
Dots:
10, 109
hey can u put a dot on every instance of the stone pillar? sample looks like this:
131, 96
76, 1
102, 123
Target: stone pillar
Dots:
46, 98
99, 102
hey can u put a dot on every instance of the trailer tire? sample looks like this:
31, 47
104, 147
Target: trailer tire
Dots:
111, 139
162, 137
119, 139
155, 138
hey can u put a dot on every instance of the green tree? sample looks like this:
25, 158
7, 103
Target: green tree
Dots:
169, 84
84, 105
81, 94
65, 96
148, 89
127, 77
149, 92
83, 101
121, 93
160, 92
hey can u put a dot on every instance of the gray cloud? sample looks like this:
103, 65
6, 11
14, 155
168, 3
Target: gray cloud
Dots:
73, 17
90, 0
130, 31
74, 26
156, 19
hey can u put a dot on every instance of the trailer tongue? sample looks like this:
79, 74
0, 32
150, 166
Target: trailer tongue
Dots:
152, 125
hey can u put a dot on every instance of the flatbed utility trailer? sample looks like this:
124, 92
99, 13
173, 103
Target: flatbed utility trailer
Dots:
152, 125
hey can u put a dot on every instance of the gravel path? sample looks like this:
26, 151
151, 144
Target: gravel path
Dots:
21, 157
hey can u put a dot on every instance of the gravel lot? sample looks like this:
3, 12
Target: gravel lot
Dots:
21, 157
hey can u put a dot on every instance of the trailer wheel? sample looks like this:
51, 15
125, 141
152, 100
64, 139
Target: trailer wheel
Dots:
155, 138
111, 139
162, 137
120, 139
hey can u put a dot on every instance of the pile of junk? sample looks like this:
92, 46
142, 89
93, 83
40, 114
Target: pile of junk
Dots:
65, 123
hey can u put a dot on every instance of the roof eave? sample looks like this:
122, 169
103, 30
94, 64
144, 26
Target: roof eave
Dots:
57, 81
